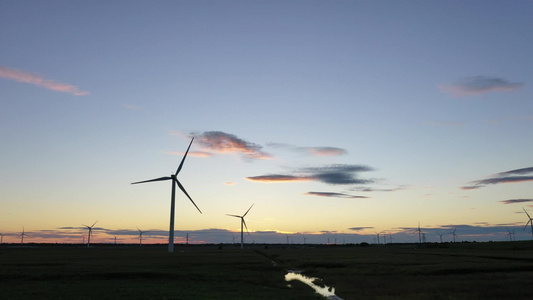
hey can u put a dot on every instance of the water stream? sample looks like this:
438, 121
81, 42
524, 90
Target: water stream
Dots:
326, 291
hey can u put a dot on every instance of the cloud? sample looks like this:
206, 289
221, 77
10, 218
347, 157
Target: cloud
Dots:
370, 189
330, 194
512, 201
279, 178
39, 81
503, 177
478, 85
221, 142
313, 151
333, 174
360, 228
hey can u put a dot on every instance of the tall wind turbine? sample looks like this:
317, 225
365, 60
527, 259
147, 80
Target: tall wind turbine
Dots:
173, 178
243, 223
90, 233
529, 222
22, 235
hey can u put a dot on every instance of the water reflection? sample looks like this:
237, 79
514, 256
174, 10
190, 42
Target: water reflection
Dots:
325, 291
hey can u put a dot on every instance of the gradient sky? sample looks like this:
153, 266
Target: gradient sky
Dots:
338, 119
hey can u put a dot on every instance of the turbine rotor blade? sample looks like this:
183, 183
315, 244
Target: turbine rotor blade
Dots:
526, 213
94, 223
184, 191
527, 224
183, 159
157, 179
234, 216
244, 222
247, 211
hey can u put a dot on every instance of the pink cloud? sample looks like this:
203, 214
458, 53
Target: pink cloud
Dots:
39, 81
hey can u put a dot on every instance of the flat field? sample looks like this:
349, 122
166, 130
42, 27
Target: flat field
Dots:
432, 271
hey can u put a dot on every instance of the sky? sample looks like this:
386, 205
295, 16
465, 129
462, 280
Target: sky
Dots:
337, 120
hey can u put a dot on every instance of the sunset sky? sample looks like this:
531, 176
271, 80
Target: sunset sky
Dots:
338, 119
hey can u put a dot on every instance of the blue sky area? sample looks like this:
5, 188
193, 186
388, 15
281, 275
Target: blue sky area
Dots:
338, 119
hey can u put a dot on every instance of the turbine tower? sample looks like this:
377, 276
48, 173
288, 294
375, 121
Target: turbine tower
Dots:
529, 222
243, 223
173, 178
90, 233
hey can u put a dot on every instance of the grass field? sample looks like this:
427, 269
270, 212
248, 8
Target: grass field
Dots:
455, 271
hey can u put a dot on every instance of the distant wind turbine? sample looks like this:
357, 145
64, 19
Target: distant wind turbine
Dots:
377, 234
510, 235
453, 233
440, 236
22, 235
90, 233
419, 233
243, 223
140, 237
174, 179
529, 222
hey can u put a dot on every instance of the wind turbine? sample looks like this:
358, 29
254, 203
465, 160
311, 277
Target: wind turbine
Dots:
243, 223
22, 235
510, 235
419, 233
454, 235
440, 236
90, 233
377, 234
529, 222
173, 178
140, 237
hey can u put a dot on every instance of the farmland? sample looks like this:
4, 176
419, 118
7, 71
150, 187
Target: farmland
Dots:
402, 271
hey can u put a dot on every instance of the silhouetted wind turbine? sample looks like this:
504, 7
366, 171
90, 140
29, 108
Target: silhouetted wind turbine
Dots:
22, 235
440, 236
453, 233
243, 223
529, 222
90, 233
174, 179
419, 233
140, 237
510, 235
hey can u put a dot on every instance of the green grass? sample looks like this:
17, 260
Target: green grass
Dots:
461, 271
149, 273
455, 271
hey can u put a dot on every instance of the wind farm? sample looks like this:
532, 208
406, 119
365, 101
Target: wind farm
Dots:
373, 138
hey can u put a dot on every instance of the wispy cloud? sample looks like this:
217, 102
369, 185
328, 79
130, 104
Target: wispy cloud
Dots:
333, 174
313, 151
336, 195
279, 178
221, 142
512, 201
39, 81
360, 228
503, 177
478, 85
